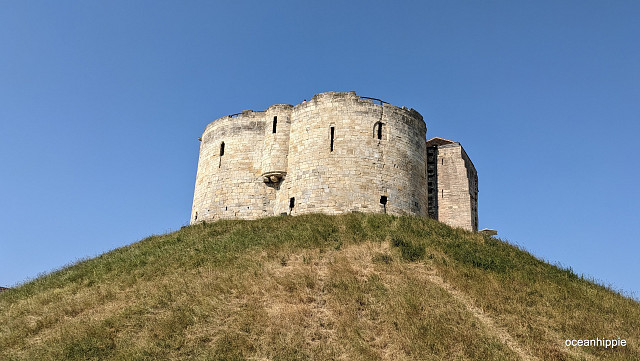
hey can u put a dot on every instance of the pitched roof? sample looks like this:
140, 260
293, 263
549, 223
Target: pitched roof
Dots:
439, 141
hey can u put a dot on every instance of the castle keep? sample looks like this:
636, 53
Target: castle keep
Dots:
336, 153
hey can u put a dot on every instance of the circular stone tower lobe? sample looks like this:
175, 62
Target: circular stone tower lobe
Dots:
229, 169
339, 161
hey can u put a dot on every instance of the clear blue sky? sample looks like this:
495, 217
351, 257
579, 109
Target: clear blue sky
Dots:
101, 105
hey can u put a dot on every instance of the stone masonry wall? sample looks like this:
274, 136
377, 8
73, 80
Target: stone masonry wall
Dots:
472, 178
361, 168
276, 139
333, 154
229, 185
457, 188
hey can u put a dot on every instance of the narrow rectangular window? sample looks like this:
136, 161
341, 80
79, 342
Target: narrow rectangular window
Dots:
221, 149
333, 133
292, 202
275, 124
379, 130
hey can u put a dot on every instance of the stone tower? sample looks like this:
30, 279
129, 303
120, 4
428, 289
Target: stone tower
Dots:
336, 153
452, 183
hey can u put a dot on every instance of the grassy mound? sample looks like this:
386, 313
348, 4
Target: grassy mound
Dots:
349, 287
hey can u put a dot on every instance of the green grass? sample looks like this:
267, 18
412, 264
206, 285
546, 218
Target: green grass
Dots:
313, 287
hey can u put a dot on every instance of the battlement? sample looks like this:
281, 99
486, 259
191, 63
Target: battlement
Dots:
335, 153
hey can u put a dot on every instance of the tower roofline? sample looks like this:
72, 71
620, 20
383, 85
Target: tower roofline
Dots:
436, 141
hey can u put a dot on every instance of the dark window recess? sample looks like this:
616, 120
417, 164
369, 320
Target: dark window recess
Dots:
379, 130
383, 201
196, 217
292, 202
221, 149
333, 134
275, 123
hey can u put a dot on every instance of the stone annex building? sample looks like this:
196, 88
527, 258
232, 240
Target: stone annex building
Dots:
336, 153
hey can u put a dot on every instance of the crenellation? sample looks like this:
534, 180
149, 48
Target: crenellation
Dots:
335, 153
